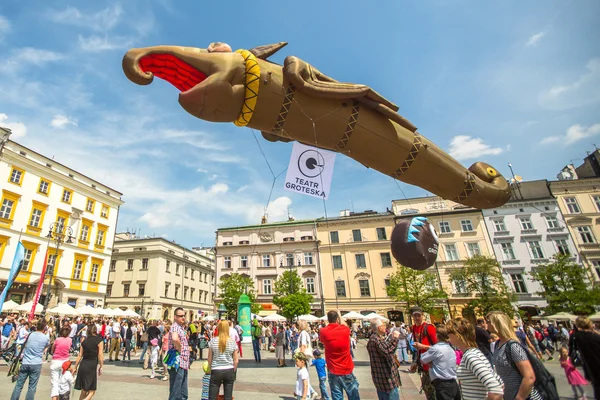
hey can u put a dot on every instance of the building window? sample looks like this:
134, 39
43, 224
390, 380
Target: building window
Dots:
185, 272
596, 202
94, 272
168, 269
113, 265
177, 291
51, 263
126, 288
16, 176
340, 288
130, 264
192, 294
473, 249
7, 209
536, 249
308, 259
562, 246
585, 233
526, 223
387, 283
44, 187
66, 196
100, 237
499, 225
27, 260
459, 286
177, 266
266, 260
445, 227
289, 260
451, 253
167, 286
386, 260
596, 265
466, 225
337, 262
507, 251
518, 283
185, 292
144, 263
89, 206
104, 211
310, 285
266, 286
572, 205
334, 236
360, 261
356, 236
551, 221
77, 269
85, 233
108, 290
36, 217
192, 275
381, 235
365, 291
244, 261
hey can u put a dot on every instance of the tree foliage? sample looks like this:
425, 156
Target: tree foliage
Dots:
565, 286
290, 295
416, 288
232, 287
482, 277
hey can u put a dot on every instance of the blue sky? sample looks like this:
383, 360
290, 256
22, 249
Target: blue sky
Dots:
512, 81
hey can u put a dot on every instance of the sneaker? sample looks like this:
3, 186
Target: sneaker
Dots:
152, 376
550, 358
314, 396
165, 378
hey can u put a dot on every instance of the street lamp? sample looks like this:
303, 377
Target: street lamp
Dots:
58, 233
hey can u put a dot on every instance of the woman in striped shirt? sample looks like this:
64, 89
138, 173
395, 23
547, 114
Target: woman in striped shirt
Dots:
223, 360
477, 378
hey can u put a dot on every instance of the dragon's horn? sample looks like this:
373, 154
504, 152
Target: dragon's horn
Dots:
266, 51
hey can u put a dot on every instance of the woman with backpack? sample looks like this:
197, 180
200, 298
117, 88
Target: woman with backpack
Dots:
587, 342
511, 361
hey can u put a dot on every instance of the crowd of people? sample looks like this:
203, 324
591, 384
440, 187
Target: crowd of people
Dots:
495, 359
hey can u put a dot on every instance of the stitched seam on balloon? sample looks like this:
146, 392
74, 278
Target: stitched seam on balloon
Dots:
469, 187
285, 109
350, 128
252, 83
412, 156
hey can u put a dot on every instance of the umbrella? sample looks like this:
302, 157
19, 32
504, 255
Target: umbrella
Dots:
63, 309
376, 316
274, 318
595, 317
562, 316
86, 310
308, 317
353, 315
9, 305
27, 307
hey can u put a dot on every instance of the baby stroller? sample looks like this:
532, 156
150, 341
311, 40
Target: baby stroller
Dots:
8, 353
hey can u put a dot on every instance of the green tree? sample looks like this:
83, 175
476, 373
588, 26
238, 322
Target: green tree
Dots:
290, 295
416, 288
232, 287
482, 276
565, 286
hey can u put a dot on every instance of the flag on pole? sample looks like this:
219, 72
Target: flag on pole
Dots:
14, 271
38, 292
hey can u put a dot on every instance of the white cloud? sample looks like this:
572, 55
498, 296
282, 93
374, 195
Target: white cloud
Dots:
202, 171
18, 128
534, 39
464, 147
28, 56
59, 121
95, 43
102, 21
585, 90
574, 134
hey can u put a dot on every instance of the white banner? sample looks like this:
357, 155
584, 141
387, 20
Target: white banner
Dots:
310, 171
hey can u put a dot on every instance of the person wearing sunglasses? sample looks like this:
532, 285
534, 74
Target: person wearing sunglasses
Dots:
178, 386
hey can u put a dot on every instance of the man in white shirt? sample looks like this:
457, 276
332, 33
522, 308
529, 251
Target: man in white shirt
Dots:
115, 341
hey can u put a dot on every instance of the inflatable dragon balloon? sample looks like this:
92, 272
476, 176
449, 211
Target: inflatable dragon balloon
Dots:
298, 102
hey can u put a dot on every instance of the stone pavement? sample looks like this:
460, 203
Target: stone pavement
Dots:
128, 381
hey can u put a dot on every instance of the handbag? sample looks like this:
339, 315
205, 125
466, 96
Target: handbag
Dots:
144, 337
575, 354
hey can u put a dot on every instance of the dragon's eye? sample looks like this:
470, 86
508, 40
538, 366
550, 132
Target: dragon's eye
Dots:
491, 172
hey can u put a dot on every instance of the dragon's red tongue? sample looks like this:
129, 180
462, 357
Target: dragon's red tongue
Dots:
168, 67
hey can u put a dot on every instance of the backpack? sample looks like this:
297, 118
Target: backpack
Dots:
545, 383
538, 336
256, 331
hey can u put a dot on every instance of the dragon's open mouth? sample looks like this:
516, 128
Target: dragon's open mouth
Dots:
170, 68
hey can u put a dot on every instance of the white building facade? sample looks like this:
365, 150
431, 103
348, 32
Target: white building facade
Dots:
264, 252
37, 192
526, 232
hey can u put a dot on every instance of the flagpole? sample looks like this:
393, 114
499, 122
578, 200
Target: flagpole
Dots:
15, 268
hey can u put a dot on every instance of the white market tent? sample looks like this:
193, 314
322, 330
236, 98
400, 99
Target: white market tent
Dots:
130, 313
562, 316
376, 316
308, 317
63, 309
209, 318
274, 318
117, 312
86, 310
27, 307
353, 315
595, 317
254, 316
9, 306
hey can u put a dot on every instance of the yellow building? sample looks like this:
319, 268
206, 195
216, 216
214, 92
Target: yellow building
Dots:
462, 234
579, 202
356, 261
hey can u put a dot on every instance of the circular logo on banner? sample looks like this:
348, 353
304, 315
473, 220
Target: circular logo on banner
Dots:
311, 163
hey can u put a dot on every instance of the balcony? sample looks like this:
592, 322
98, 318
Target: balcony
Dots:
540, 261
558, 229
510, 262
501, 233
528, 232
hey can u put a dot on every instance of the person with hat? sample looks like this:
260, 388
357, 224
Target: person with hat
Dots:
384, 369
424, 336
154, 356
66, 380
321, 366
